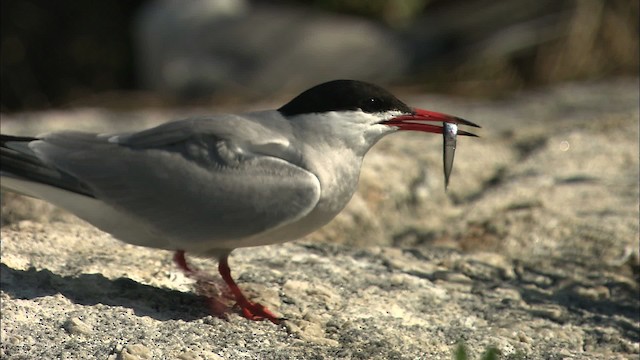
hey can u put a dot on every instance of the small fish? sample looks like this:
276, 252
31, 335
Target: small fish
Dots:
449, 135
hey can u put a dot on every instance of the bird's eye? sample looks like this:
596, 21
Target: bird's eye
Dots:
371, 104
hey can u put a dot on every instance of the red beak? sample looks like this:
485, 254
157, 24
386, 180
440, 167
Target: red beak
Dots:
416, 121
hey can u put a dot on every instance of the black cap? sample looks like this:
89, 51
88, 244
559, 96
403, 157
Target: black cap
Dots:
340, 95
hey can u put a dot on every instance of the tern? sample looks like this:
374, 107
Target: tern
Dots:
208, 185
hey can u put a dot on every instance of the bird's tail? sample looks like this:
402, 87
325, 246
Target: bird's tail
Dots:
16, 159
18, 162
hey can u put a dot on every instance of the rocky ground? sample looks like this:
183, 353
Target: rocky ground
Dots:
533, 250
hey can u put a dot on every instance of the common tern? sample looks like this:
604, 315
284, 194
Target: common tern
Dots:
208, 185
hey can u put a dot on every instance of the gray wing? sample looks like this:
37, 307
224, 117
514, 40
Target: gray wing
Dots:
186, 183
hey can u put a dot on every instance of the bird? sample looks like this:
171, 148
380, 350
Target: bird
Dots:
208, 185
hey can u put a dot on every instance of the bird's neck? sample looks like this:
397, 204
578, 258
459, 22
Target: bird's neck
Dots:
338, 172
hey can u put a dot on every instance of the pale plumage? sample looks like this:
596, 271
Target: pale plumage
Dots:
209, 185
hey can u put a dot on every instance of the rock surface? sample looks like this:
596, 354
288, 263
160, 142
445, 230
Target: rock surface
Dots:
533, 250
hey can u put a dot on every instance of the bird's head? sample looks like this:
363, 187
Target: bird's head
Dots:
360, 113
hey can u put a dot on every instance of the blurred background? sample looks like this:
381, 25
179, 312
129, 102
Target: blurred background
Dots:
136, 53
535, 245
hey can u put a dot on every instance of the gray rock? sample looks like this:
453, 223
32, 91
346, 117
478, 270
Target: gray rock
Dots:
135, 352
76, 326
533, 250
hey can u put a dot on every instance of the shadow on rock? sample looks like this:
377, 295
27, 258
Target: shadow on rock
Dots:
94, 289
587, 296
560, 290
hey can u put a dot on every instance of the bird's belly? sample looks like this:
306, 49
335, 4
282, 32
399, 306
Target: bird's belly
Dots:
288, 232
104, 217
292, 231
331, 204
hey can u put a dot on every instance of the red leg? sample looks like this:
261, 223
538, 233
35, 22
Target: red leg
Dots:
181, 262
204, 285
250, 310
204, 282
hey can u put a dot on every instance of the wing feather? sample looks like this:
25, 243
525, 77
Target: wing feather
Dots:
189, 185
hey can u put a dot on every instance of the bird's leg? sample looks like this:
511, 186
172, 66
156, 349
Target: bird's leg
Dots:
204, 283
181, 262
250, 310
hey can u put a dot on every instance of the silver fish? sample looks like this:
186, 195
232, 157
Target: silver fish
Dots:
449, 135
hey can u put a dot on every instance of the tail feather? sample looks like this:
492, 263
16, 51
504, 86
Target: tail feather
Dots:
18, 161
